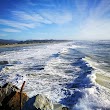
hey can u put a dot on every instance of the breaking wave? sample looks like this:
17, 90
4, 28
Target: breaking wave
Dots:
60, 71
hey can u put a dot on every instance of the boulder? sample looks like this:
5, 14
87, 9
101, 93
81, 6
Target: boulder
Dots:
10, 97
10, 100
14, 102
6, 90
43, 103
38, 102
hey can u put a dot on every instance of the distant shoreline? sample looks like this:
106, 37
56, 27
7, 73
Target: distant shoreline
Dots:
11, 43
20, 45
31, 44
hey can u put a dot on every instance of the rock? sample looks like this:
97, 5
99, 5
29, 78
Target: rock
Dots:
60, 107
3, 62
38, 102
10, 87
10, 100
65, 108
6, 90
43, 103
14, 102
10, 97
57, 107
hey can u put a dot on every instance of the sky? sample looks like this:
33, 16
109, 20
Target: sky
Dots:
55, 19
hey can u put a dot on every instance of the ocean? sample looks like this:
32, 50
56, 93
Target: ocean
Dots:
75, 74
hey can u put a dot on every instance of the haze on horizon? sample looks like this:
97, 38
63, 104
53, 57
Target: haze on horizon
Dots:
55, 19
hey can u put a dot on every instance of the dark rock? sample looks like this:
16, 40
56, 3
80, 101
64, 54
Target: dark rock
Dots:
3, 62
6, 90
65, 108
14, 102
10, 97
10, 100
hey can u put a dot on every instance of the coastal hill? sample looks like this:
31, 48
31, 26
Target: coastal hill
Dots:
11, 42
7, 42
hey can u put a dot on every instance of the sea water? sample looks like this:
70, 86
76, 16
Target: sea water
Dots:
75, 74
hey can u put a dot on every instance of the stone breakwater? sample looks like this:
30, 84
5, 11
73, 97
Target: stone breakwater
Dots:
10, 100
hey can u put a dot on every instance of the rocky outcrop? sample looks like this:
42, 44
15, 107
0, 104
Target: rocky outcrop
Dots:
6, 90
10, 100
41, 102
38, 102
14, 102
10, 97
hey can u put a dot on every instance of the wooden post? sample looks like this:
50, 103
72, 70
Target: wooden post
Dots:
21, 95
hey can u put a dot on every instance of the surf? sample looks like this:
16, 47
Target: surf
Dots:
63, 72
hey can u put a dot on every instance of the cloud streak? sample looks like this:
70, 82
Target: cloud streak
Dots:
16, 24
44, 16
102, 8
57, 17
10, 30
89, 19
33, 17
96, 25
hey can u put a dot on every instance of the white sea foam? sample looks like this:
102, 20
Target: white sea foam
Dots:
96, 97
58, 72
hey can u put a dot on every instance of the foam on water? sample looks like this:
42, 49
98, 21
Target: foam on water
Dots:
97, 97
101, 77
59, 71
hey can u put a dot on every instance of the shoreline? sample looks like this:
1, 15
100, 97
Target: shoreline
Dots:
20, 45
30, 44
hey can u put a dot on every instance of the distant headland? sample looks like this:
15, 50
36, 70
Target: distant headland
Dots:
27, 42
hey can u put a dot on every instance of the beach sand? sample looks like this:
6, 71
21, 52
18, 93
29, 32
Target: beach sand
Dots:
20, 45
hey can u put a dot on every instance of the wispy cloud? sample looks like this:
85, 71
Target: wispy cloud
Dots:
57, 17
3, 35
95, 29
10, 30
98, 9
81, 7
44, 16
89, 19
96, 25
32, 17
102, 9
16, 24
44, 3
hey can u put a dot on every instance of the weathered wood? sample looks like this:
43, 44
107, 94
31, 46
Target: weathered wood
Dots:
21, 94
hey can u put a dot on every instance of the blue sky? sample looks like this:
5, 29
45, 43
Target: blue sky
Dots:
55, 19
